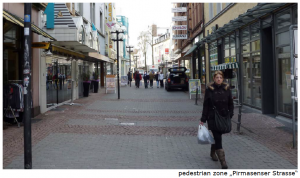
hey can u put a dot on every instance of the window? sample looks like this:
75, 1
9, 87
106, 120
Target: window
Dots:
283, 19
81, 8
219, 7
92, 12
211, 11
101, 22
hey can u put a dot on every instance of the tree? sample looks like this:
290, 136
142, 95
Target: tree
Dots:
144, 40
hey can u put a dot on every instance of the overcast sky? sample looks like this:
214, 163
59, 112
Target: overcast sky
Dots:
141, 14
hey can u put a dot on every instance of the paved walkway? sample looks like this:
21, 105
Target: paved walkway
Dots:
145, 129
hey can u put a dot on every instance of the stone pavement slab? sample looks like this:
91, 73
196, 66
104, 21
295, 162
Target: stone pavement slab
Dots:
83, 151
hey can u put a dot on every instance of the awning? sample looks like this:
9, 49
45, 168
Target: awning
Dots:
255, 13
67, 52
196, 45
96, 57
231, 65
19, 21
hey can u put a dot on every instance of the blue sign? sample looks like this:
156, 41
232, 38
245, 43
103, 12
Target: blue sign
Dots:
27, 18
50, 15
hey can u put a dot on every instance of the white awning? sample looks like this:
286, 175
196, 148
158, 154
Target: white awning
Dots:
231, 65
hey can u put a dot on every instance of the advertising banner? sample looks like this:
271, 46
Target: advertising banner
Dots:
179, 18
110, 83
124, 80
193, 85
179, 27
110, 18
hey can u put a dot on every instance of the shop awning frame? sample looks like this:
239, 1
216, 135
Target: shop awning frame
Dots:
256, 12
231, 65
195, 46
19, 21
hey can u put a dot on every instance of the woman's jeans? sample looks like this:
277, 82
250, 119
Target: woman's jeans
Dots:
157, 82
218, 139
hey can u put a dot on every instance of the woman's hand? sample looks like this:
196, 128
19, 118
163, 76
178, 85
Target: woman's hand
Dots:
201, 123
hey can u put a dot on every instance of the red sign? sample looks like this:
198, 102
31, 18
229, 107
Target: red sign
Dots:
167, 50
158, 60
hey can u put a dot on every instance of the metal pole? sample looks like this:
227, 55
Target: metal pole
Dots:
56, 82
292, 27
27, 86
196, 96
118, 63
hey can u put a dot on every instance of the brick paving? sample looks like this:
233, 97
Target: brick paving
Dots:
163, 136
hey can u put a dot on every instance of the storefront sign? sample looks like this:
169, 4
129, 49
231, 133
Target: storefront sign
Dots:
193, 85
179, 18
179, 9
179, 36
124, 80
179, 27
110, 83
166, 50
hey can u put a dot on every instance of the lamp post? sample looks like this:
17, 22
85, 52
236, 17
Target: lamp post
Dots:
129, 50
116, 30
136, 56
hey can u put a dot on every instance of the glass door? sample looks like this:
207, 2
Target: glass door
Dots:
51, 81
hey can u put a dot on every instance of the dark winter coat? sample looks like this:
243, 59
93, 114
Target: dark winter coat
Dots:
222, 100
129, 77
156, 77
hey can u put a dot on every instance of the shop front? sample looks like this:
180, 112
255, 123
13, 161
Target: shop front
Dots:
255, 51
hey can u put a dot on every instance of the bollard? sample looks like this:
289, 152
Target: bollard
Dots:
196, 96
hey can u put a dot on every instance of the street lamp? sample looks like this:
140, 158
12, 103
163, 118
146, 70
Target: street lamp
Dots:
129, 50
117, 35
136, 56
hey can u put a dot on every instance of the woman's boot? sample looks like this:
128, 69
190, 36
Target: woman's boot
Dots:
221, 156
213, 153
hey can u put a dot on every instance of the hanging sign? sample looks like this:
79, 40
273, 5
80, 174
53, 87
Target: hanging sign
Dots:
179, 36
166, 50
110, 21
179, 27
179, 18
179, 9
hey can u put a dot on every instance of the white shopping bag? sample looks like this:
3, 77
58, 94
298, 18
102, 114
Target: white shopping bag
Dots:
204, 136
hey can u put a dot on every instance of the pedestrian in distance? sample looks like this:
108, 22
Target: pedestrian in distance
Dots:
217, 96
137, 79
151, 77
157, 79
145, 77
161, 79
129, 78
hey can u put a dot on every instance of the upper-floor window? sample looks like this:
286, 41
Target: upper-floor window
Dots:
219, 7
92, 12
81, 8
101, 21
211, 11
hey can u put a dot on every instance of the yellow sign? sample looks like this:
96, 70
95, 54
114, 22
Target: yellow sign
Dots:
41, 45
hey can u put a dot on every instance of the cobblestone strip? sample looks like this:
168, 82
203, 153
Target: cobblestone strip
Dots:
139, 118
140, 111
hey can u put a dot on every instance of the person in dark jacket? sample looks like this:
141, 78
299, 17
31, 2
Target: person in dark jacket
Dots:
146, 78
129, 78
222, 100
137, 79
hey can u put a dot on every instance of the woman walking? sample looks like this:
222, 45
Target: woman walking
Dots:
137, 79
218, 96
129, 78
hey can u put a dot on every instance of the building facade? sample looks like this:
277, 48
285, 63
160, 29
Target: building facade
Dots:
256, 38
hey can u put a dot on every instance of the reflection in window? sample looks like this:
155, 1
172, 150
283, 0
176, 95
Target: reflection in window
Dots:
283, 38
255, 45
246, 48
255, 30
283, 19
245, 35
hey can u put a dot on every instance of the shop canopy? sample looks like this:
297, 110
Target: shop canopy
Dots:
231, 65
256, 12
194, 47
19, 21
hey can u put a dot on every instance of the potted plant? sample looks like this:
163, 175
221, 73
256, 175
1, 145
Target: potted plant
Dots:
86, 83
96, 82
